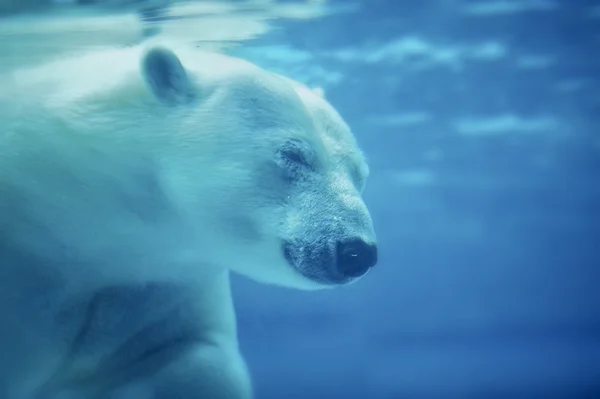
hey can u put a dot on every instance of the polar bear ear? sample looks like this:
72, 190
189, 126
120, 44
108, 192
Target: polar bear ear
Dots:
166, 77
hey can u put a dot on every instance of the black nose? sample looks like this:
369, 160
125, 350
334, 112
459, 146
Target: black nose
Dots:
355, 257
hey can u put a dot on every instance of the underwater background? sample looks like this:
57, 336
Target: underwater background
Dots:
481, 123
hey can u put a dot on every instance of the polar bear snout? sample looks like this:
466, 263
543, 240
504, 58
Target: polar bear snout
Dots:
355, 257
331, 263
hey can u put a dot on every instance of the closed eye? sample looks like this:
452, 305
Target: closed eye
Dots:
295, 155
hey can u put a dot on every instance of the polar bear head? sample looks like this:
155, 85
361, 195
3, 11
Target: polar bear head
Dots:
273, 177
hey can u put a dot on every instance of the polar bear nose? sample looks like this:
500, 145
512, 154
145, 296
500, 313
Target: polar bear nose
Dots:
355, 257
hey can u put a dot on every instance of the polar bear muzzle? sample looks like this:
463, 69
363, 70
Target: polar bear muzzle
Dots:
331, 263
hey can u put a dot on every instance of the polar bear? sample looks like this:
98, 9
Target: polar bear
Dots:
132, 181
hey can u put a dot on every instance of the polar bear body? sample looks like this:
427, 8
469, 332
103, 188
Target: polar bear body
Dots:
133, 180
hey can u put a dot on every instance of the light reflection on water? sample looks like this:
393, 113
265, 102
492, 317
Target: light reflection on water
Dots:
31, 35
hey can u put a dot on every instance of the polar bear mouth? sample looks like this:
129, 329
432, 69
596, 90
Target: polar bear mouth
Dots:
331, 263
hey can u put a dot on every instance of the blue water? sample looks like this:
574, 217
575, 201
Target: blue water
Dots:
481, 122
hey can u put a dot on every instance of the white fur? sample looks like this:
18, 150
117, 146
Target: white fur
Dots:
103, 187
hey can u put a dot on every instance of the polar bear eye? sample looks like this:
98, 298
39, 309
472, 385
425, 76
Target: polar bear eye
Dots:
295, 156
